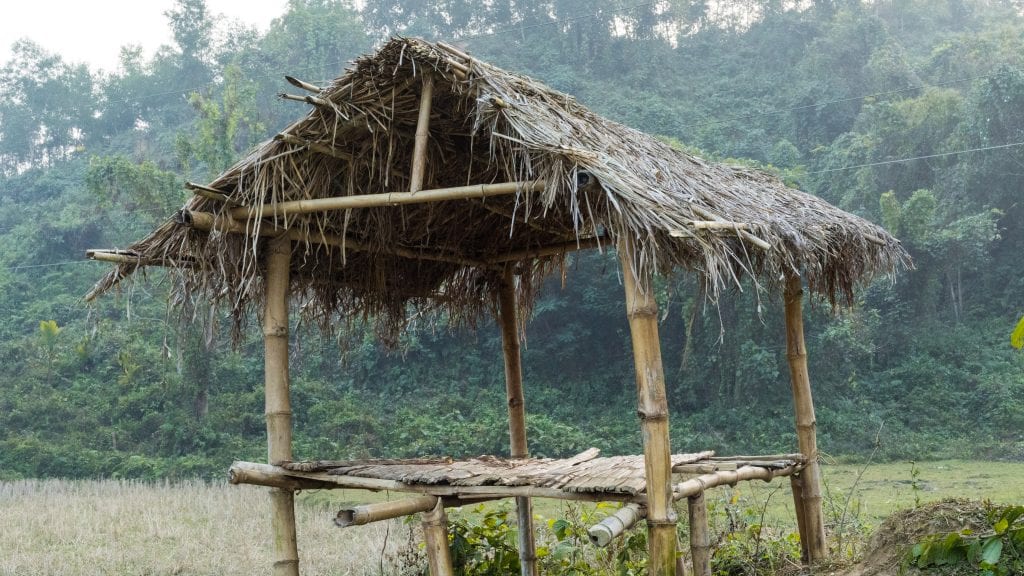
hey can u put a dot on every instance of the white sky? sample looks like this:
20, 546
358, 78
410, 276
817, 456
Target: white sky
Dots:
94, 31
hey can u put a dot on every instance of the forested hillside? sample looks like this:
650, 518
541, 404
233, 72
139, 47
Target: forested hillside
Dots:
907, 112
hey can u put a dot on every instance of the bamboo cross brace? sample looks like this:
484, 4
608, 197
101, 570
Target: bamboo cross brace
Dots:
386, 199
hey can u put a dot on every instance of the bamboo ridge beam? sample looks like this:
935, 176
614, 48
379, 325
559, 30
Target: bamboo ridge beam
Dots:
304, 85
386, 199
615, 525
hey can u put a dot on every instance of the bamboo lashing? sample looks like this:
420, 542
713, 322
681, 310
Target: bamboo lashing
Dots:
419, 152
435, 533
367, 513
385, 199
304, 85
615, 525
700, 538
278, 403
510, 344
813, 537
652, 406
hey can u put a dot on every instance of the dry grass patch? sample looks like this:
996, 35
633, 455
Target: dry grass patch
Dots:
72, 528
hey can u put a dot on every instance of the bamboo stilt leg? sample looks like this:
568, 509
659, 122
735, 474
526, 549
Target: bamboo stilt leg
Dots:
652, 406
796, 484
516, 415
700, 539
813, 532
435, 532
278, 405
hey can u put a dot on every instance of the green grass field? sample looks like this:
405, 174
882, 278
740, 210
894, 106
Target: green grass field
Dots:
73, 528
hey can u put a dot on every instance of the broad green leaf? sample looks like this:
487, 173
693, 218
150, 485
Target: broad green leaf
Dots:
991, 552
1001, 526
1017, 337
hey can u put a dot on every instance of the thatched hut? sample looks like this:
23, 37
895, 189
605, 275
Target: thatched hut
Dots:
423, 179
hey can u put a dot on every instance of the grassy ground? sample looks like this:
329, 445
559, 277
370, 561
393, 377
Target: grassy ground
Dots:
58, 527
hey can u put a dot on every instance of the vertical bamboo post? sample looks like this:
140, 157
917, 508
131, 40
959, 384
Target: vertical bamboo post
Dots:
507, 311
652, 407
435, 532
700, 539
812, 535
278, 405
419, 151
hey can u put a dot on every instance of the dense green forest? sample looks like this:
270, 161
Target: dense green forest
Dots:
907, 112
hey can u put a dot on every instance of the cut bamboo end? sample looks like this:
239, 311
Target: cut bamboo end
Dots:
318, 102
304, 85
367, 513
602, 533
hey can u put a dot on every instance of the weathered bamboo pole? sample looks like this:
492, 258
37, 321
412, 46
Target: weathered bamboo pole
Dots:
304, 85
615, 525
652, 406
367, 513
278, 404
508, 317
125, 257
551, 249
701, 483
813, 535
419, 150
796, 486
435, 532
385, 199
700, 539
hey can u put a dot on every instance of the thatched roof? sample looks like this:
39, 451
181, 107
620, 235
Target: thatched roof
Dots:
601, 181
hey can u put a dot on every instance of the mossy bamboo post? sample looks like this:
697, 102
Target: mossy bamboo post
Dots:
812, 535
278, 405
507, 313
435, 533
700, 539
652, 406
419, 151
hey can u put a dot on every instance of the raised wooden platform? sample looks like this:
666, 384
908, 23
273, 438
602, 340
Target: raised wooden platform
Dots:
585, 476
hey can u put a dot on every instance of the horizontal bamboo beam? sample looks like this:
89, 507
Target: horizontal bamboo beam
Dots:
602, 533
268, 475
707, 215
300, 84
551, 250
206, 222
719, 225
385, 199
367, 513
128, 257
701, 483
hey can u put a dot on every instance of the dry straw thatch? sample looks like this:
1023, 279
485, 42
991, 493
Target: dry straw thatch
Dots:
601, 182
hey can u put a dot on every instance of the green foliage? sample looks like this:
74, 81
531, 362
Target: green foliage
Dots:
1017, 336
999, 552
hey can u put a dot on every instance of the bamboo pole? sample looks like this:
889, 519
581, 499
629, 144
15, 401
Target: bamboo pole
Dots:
813, 535
304, 85
385, 199
652, 406
615, 525
435, 532
731, 477
507, 315
278, 406
700, 539
419, 151
796, 485
551, 249
367, 513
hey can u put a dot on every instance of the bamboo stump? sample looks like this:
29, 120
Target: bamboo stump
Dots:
507, 310
278, 404
435, 533
652, 406
808, 493
700, 539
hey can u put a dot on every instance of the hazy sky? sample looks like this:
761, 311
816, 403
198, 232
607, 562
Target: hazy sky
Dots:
93, 31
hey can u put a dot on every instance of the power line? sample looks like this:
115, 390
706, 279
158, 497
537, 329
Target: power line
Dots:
926, 156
